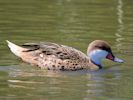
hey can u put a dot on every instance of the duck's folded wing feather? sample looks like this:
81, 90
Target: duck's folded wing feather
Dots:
60, 51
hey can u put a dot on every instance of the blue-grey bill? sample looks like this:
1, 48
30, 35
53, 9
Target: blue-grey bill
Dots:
118, 60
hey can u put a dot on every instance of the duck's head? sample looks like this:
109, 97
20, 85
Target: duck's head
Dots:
98, 50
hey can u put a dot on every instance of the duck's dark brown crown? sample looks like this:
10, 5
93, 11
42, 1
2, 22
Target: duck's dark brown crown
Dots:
99, 44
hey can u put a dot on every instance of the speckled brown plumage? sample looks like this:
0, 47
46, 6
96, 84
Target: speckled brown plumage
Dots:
54, 56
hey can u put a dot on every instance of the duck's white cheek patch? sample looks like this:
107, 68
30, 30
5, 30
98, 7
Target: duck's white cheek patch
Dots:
97, 55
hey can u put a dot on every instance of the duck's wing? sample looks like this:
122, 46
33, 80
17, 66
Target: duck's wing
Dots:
60, 51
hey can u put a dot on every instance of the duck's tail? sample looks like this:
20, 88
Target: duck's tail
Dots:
17, 50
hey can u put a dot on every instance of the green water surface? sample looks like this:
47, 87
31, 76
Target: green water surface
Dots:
74, 23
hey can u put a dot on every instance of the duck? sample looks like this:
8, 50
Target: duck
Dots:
52, 56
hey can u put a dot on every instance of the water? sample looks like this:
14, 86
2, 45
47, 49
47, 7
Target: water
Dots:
71, 22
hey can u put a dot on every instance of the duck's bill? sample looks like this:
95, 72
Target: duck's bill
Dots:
113, 58
118, 60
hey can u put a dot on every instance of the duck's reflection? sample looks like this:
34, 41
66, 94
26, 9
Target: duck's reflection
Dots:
103, 82
88, 84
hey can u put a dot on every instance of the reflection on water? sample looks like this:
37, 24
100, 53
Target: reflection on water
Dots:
119, 36
55, 83
71, 22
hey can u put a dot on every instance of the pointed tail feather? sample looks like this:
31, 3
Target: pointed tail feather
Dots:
17, 50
